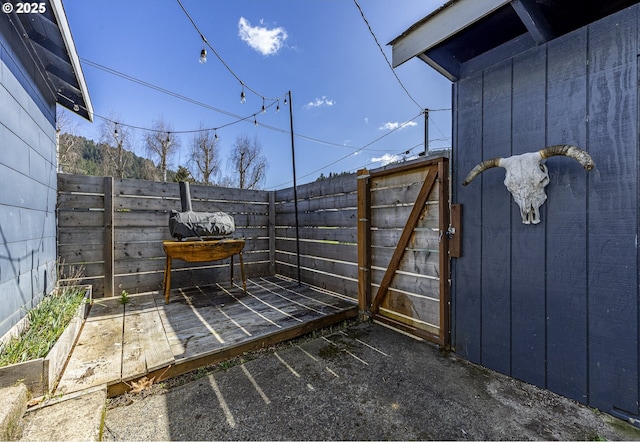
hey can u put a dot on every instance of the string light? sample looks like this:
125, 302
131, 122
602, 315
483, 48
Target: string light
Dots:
203, 56
264, 109
278, 106
205, 42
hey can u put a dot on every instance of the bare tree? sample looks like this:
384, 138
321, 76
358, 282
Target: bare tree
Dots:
161, 144
68, 146
116, 140
248, 163
204, 149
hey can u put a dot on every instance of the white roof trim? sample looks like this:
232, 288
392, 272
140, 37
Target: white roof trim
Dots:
440, 26
63, 25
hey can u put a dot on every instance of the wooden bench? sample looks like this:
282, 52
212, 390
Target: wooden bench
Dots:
201, 251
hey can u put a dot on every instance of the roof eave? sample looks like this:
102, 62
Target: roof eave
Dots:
63, 25
439, 26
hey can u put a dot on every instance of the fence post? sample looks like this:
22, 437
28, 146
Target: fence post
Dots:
109, 244
364, 242
272, 233
443, 198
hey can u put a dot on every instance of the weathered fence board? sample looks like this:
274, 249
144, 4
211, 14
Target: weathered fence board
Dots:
331, 202
394, 217
427, 239
320, 188
327, 250
328, 218
322, 265
80, 184
338, 234
413, 261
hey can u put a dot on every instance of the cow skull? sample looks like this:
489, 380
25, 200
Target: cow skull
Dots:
527, 176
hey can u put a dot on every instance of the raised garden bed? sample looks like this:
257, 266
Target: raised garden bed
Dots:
40, 375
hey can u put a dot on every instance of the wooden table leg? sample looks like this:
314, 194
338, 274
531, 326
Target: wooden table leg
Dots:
167, 279
244, 281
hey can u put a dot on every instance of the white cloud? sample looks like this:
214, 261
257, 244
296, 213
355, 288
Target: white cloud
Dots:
264, 40
386, 159
395, 125
320, 102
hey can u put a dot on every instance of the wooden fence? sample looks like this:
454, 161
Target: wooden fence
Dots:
403, 215
328, 234
113, 229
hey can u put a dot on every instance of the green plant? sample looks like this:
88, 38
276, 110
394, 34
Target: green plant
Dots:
46, 321
124, 297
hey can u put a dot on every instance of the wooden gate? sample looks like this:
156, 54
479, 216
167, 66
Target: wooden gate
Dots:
403, 247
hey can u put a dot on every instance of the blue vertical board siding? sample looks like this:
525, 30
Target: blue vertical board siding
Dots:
554, 304
566, 219
528, 241
28, 166
613, 212
467, 308
496, 221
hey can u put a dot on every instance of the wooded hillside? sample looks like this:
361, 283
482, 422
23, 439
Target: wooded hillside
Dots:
80, 155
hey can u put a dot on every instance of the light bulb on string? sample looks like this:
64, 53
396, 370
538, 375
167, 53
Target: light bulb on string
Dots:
264, 109
215, 134
203, 52
255, 121
243, 97
278, 106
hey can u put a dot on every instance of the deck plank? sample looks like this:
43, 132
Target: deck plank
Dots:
316, 301
145, 346
97, 356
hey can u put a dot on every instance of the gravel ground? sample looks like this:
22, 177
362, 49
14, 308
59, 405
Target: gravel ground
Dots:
364, 382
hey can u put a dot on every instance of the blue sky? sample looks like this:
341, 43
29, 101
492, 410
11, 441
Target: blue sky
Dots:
345, 96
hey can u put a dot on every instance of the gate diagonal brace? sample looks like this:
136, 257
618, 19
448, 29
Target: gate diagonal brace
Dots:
412, 222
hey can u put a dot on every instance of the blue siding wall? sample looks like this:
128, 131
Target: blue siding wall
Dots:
554, 304
27, 185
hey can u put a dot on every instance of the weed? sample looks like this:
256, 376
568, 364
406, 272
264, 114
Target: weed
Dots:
124, 297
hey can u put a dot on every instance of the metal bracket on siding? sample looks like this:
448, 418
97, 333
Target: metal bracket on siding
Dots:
455, 230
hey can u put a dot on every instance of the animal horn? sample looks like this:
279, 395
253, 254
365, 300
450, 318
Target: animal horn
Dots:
488, 164
566, 150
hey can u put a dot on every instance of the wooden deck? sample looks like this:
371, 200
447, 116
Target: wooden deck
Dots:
201, 325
